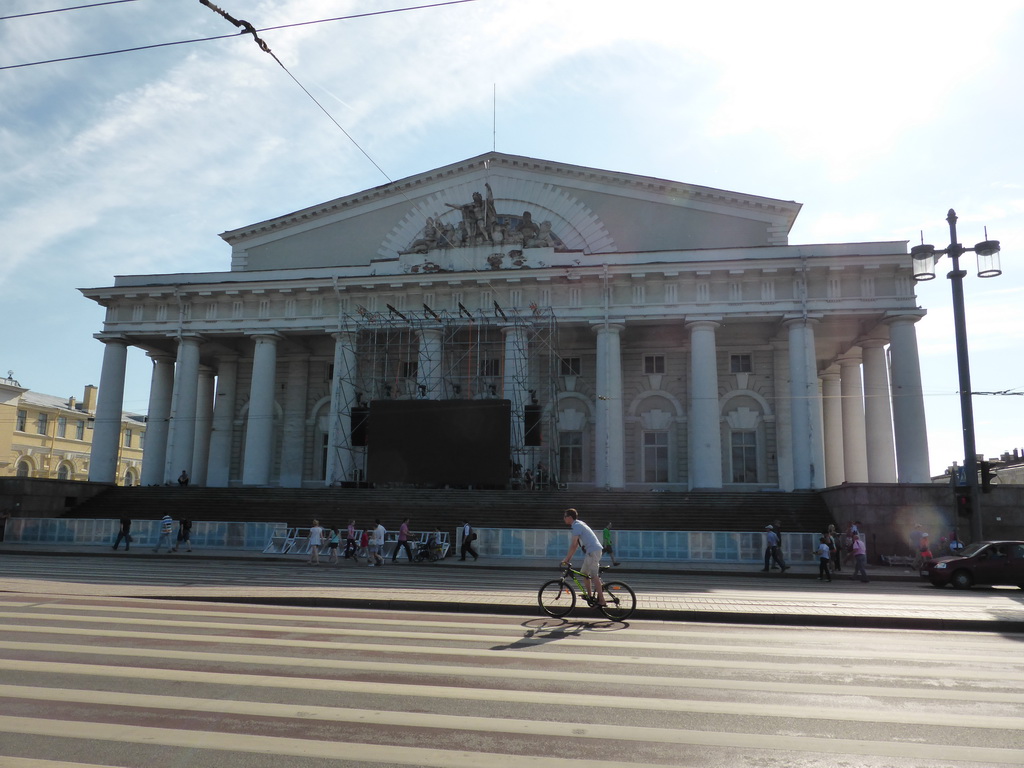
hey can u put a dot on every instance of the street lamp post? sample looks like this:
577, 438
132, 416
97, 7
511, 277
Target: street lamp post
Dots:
924, 258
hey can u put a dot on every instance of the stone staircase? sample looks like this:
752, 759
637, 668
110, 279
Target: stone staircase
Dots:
689, 511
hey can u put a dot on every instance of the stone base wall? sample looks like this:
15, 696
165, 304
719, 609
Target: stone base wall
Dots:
888, 513
38, 497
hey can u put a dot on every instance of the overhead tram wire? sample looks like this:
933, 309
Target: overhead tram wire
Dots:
62, 10
223, 37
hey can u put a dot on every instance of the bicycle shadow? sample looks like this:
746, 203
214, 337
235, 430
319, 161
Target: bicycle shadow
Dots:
549, 630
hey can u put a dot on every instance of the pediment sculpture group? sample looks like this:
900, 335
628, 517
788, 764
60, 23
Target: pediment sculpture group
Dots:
480, 224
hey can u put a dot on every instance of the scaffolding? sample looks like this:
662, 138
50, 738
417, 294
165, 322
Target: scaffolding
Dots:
451, 355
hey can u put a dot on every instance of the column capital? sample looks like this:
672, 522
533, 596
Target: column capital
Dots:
264, 335
872, 343
852, 356
599, 326
903, 316
111, 338
790, 320
703, 322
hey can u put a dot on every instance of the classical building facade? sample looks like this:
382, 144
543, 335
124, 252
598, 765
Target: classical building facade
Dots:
648, 334
50, 437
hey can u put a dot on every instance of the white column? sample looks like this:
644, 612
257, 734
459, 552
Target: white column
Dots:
808, 448
908, 402
183, 419
832, 410
293, 431
219, 462
878, 414
609, 435
204, 419
428, 367
855, 448
158, 416
783, 407
259, 434
705, 452
514, 383
340, 456
106, 433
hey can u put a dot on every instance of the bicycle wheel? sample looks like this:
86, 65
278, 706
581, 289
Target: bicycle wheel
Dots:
556, 598
620, 600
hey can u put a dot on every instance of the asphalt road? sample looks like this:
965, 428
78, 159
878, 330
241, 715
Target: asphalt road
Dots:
149, 683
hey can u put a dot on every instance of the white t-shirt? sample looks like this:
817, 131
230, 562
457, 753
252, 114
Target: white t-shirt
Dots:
316, 535
378, 536
588, 539
823, 551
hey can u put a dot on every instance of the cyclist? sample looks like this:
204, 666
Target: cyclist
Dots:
584, 537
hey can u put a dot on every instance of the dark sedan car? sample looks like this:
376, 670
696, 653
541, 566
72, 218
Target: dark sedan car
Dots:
986, 562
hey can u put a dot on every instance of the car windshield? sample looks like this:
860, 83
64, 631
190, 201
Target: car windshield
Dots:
971, 549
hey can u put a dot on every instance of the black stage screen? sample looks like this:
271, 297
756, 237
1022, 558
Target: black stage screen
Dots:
439, 442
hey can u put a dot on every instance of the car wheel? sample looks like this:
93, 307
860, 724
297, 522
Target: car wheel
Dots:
962, 580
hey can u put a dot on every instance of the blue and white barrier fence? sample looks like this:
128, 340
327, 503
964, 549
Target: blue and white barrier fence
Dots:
547, 544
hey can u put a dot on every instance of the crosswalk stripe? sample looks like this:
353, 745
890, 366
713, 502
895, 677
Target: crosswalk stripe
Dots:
327, 684
961, 642
746, 709
373, 753
377, 629
1001, 675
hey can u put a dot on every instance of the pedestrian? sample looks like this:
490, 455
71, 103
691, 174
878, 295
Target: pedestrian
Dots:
860, 557
606, 541
364, 545
583, 536
376, 548
184, 535
350, 540
468, 537
832, 536
183, 478
824, 559
772, 553
403, 542
333, 544
316, 540
124, 533
923, 546
166, 529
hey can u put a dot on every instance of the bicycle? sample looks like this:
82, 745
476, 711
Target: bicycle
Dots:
558, 597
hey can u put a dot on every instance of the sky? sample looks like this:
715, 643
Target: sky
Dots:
877, 116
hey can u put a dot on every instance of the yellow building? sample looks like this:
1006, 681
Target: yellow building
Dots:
50, 437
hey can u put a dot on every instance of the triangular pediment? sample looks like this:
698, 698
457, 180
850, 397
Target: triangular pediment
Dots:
510, 204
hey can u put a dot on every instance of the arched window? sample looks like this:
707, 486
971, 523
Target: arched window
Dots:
63, 472
24, 469
129, 478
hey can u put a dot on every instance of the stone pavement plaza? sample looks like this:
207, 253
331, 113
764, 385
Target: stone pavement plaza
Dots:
896, 598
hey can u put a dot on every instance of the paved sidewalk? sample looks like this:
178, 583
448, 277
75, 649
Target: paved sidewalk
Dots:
895, 599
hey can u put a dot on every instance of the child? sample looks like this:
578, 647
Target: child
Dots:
824, 558
332, 545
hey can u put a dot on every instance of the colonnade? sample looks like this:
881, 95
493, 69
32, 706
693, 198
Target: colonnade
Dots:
849, 423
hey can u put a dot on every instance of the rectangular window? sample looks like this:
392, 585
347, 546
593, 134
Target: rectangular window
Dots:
410, 369
22, 420
654, 363
42, 422
79, 430
490, 369
655, 457
570, 457
62, 426
569, 366
127, 438
142, 440
744, 457
741, 364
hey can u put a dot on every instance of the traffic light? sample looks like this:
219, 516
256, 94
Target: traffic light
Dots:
987, 475
963, 503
